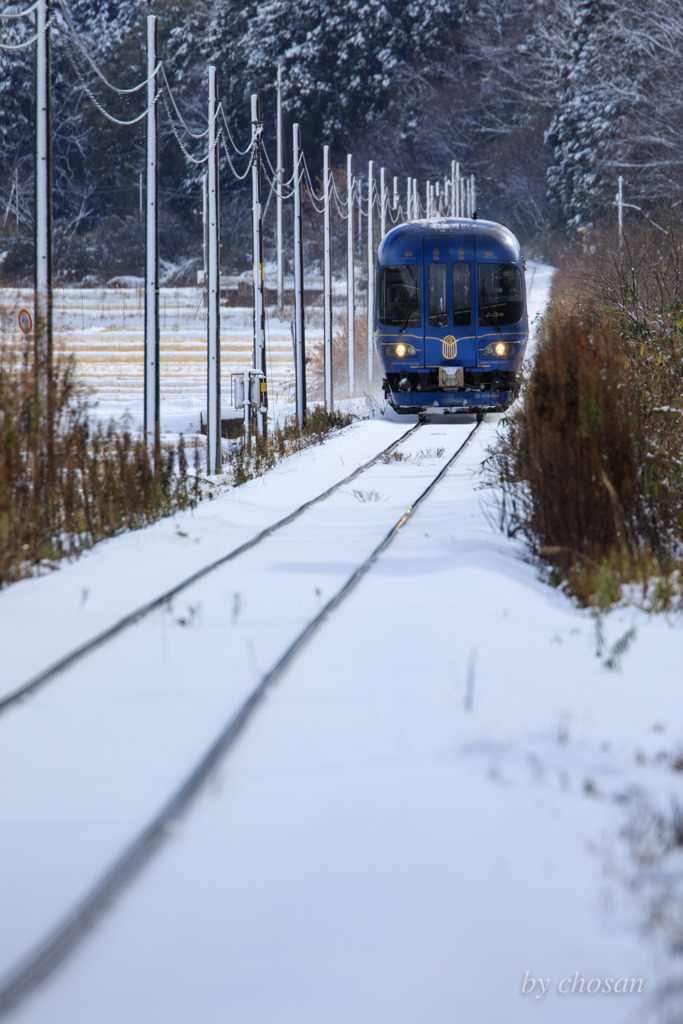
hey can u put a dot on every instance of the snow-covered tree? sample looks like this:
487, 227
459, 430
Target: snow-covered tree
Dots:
340, 57
585, 120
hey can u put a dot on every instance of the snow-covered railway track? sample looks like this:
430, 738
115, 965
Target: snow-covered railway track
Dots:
52, 671
362, 523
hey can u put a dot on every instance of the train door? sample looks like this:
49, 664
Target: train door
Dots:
449, 335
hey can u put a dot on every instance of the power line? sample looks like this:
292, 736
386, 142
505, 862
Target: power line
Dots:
21, 14
91, 61
27, 42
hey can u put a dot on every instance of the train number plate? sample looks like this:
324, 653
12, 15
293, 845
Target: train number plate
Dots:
451, 376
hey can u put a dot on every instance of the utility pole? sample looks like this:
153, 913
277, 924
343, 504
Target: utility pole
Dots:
371, 269
213, 289
151, 415
205, 226
16, 201
382, 202
299, 320
43, 222
395, 202
279, 179
620, 210
350, 283
473, 195
329, 386
409, 199
259, 304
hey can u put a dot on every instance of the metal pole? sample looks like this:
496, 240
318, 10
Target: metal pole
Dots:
213, 383
259, 303
473, 195
141, 198
350, 282
409, 199
458, 196
205, 223
382, 203
329, 392
279, 178
416, 208
371, 270
395, 203
299, 324
16, 201
43, 219
151, 416
620, 208
453, 195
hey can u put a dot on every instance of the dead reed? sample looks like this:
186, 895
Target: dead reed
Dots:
590, 464
64, 486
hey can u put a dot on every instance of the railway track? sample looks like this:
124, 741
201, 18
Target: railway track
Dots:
138, 614
45, 955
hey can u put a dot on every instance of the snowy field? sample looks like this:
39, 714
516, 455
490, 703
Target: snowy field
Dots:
449, 808
103, 328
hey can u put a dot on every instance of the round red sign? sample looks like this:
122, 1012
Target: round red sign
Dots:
25, 321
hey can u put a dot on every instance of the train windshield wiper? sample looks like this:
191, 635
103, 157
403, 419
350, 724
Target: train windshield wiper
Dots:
411, 307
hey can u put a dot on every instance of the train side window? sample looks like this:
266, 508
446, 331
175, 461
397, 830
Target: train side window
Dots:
501, 298
438, 295
398, 295
462, 295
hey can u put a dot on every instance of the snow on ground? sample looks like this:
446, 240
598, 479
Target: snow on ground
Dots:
425, 816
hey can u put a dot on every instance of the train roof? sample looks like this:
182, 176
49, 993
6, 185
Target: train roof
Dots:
499, 240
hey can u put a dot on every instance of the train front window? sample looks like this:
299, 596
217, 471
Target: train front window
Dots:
398, 296
462, 295
438, 296
501, 298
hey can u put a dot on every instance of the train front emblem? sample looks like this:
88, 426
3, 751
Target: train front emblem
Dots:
450, 347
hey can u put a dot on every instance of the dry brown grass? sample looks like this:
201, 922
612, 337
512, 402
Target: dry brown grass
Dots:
591, 463
64, 486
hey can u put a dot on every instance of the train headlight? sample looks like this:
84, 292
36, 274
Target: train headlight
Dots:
399, 351
500, 349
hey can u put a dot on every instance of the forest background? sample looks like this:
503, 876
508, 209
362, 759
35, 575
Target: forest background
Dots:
547, 102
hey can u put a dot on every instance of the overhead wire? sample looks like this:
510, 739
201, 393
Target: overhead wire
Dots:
21, 14
240, 152
186, 152
84, 50
91, 96
306, 178
252, 148
27, 42
193, 135
274, 184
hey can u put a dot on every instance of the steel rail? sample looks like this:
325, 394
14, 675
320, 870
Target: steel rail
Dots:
46, 675
59, 943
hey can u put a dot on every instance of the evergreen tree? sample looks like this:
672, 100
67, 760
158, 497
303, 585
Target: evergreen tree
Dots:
584, 124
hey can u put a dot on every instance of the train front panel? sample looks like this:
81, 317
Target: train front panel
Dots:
451, 325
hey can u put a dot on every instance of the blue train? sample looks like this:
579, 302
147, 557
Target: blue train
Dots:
451, 324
